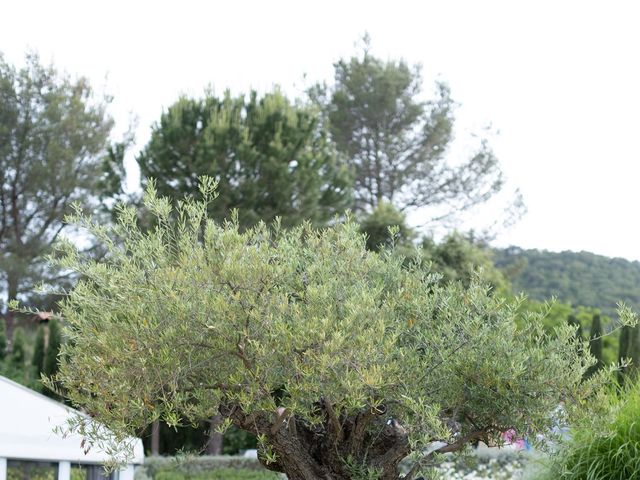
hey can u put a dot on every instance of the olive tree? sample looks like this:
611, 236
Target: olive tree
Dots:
340, 360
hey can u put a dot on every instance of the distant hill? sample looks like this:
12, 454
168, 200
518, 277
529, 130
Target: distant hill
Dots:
580, 278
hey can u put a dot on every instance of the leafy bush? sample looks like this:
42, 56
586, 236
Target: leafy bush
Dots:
612, 455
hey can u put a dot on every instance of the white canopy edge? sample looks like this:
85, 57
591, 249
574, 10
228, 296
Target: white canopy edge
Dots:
27, 422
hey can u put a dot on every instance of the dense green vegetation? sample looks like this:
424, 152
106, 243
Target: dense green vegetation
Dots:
579, 278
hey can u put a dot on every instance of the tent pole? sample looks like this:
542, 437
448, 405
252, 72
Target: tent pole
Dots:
64, 471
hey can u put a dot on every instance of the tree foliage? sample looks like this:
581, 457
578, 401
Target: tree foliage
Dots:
397, 144
342, 361
270, 157
53, 131
386, 227
458, 259
575, 323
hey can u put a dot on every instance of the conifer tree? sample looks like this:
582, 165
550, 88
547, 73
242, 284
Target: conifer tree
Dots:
595, 344
623, 350
377, 227
3, 340
39, 352
396, 143
18, 353
271, 158
50, 366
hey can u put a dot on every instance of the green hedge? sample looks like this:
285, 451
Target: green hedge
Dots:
203, 468
219, 474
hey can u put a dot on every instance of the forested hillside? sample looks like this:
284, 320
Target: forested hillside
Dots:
580, 278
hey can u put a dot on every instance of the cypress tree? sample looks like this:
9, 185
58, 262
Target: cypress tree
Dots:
623, 351
39, 352
50, 366
18, 353
3, 340
633, 349
595, 344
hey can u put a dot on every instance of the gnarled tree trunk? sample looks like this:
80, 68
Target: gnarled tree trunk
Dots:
334, 450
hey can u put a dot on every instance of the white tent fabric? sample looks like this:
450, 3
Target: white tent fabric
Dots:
27, 420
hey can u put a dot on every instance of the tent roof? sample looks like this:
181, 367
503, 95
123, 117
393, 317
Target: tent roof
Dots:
27, 420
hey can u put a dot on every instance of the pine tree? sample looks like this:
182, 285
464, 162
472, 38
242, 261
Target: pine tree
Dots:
396, 143
271, 158
377, 225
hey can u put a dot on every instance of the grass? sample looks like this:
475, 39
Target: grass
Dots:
615, 455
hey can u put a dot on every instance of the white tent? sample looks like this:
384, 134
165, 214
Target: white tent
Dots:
27, 420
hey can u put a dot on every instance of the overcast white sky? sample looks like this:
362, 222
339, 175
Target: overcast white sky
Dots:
560, 80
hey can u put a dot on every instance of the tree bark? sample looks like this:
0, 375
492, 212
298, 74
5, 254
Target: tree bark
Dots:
155, 438
216, 439
332, 450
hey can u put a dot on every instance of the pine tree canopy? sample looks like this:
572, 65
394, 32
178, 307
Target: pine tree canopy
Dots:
397, 143
270, 158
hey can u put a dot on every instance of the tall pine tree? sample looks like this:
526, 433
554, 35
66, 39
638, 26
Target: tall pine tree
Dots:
397, 143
